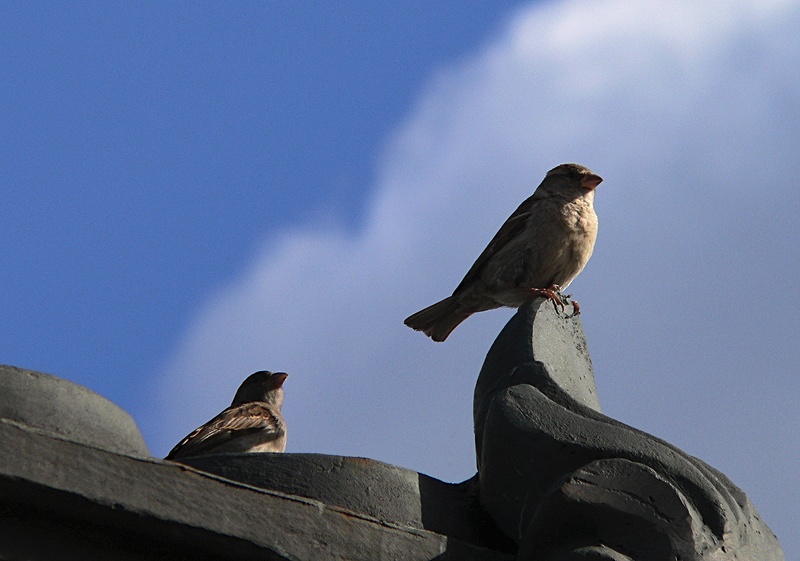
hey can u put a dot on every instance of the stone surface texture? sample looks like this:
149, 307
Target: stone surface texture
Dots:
64, 500
67, 410
384, 492
566, 482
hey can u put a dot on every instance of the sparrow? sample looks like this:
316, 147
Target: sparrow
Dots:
253, 422
538, 251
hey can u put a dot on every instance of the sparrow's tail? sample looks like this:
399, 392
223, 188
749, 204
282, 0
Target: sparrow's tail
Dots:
439, 320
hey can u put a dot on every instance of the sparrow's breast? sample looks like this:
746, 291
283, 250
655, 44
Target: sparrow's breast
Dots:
580, 235
559, 246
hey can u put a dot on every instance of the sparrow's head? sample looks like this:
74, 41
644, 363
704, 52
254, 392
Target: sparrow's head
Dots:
571, 178
262, 386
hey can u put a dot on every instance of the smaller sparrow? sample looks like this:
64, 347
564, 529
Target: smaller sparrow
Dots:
537, 252
253, 422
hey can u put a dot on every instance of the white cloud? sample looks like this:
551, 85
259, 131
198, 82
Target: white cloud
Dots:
690, 113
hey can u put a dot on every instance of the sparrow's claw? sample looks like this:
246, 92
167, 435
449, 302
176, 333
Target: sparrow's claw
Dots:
576, 308
549, 293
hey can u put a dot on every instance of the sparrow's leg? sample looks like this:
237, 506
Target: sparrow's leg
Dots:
549, 293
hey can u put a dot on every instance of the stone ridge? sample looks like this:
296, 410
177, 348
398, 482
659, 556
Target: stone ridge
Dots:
381, 491
65, 500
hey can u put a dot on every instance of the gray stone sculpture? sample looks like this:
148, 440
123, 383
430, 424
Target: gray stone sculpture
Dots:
566, 482
557, 481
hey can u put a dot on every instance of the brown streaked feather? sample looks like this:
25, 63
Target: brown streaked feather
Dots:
438, 320
510, 229
235, 421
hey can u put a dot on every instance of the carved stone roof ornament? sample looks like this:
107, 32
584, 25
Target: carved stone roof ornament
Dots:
557, 481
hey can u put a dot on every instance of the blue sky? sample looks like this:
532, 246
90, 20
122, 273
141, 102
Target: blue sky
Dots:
147, 150
194, 192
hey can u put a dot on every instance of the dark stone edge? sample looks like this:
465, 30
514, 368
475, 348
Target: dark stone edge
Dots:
146, 508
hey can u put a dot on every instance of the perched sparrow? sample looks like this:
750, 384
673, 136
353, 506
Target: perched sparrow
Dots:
253, 422
539, 250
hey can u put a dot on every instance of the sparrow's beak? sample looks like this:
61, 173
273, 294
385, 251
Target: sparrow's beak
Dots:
590, 181
277, 379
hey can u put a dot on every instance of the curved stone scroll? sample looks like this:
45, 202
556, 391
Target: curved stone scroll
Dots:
566, 482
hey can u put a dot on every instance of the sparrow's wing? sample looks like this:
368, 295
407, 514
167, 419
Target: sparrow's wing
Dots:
233, 422
508, 231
